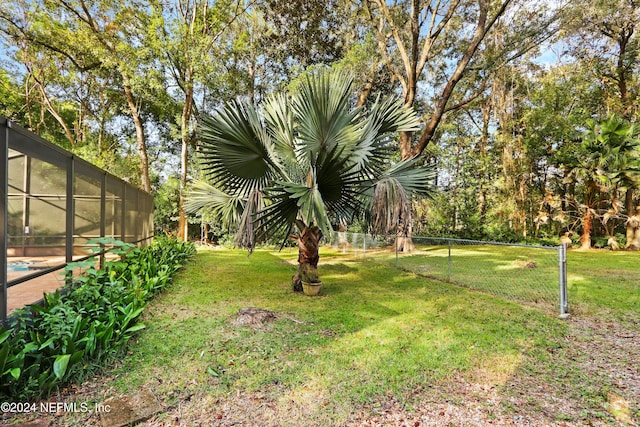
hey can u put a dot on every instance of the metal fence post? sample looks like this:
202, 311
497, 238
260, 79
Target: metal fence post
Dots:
449, 261
364, 245
103, 214
70, 216
4, 204
562, 279
397, 235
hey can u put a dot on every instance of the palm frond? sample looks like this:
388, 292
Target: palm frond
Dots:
415, 180
323, 115
375, 145
391, 115
279, 215
293, 201
389, 196
338, 183
279, 117
390, 210
234, 149
225, 207
247, 235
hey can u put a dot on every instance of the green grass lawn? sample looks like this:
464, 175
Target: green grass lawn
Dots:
600, 282
527, 275
605, 283
376, 334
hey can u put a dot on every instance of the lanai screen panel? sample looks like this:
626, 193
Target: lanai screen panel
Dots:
37, 206
114, 207
132, 223
87, 205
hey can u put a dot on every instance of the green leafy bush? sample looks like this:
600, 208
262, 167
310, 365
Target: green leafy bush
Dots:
86, 323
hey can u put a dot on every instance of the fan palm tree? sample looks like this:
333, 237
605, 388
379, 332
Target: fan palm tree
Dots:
621, 167
609, 161
305, 162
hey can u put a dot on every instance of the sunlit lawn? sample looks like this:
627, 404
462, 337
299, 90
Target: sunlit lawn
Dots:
379, 334
600, 282
605, 283
374, 332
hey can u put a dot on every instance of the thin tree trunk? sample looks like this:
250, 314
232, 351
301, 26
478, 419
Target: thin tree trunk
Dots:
48, 105
183, 225
482, 153
364, 94
140, 138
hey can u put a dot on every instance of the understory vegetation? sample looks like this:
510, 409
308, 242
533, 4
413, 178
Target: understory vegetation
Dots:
86, 323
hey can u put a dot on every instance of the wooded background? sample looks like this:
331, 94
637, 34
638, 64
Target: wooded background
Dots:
528, 107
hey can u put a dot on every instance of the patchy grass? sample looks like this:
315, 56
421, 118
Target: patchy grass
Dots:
378, 347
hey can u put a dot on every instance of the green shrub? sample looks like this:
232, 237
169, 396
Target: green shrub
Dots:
87, 322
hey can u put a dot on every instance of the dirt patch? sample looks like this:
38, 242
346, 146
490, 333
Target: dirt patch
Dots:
594, 378
255, 317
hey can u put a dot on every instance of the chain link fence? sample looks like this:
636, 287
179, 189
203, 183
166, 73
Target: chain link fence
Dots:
533, 275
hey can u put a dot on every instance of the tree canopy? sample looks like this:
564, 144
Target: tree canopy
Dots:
503, 90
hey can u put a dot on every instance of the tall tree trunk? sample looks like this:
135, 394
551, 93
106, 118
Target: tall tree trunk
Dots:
482, 154
413, 41
483, 26
308, 256
140, 138
183, 225
404, 241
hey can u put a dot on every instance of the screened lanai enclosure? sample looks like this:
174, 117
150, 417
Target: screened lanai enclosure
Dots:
53, 206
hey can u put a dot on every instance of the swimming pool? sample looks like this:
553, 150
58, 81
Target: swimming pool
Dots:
21, 266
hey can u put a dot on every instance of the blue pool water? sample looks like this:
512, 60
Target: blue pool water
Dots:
13, 267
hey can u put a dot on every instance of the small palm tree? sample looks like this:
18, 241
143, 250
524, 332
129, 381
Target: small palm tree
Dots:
305, 162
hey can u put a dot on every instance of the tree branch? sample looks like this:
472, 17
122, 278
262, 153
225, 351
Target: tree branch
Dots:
480, 32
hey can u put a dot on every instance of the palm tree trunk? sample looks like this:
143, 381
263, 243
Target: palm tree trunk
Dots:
630, 208
587, 225
404, 243
633, 235
308, 257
